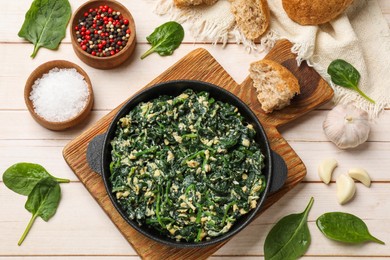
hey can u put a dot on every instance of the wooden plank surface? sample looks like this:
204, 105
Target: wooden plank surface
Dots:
79, 214
80, 230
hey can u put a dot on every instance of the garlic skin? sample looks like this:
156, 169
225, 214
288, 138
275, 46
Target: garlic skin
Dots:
347, 126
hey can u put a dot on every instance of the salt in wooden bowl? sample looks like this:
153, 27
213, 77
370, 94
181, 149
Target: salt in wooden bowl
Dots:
38, 73
103, 62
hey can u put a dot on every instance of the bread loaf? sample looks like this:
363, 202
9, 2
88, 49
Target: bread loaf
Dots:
185, 3
252, 17
314, 12
275, 84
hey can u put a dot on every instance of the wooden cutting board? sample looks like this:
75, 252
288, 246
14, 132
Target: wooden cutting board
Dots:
200, 65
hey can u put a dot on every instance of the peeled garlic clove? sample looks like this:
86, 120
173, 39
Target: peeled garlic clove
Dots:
346, 188
326, 168
361, 175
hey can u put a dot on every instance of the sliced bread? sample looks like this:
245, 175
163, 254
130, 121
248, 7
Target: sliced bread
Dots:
314, 12
185, 3
252, 16
275, 84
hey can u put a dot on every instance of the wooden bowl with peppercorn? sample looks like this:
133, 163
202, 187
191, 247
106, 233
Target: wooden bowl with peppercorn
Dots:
58, 94
103, 33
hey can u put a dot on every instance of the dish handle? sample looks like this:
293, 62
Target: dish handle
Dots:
279, 172
94, 153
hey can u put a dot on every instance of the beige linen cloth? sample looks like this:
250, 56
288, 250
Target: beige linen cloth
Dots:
360, 36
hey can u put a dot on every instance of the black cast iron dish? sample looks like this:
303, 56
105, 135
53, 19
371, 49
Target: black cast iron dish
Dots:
99, 154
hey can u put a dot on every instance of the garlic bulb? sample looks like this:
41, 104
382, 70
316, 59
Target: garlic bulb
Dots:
347, 126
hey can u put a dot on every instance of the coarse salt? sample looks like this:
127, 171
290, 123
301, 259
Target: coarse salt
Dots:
59, 95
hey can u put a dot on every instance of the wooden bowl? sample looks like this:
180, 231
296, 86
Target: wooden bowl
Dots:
38, 73
103, 62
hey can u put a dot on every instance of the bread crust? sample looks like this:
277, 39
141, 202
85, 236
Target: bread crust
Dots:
314, 12
282, 91
186, 3
252, 17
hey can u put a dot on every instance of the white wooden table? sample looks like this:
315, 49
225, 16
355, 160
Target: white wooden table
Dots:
81, 230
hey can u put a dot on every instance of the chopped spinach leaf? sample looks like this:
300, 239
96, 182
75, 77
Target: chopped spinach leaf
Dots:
187, 166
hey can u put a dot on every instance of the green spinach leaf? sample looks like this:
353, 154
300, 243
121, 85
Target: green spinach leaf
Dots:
289, 238
45, 23
344, 74
22, 177
345, 227
42, 202
165, 39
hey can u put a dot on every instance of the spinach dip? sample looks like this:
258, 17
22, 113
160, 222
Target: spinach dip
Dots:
187, 166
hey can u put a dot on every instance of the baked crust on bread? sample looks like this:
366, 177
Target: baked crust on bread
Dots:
186, 3
252, 16
314, 12
275, 84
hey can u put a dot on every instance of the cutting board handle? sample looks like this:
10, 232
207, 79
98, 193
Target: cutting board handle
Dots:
94, 153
